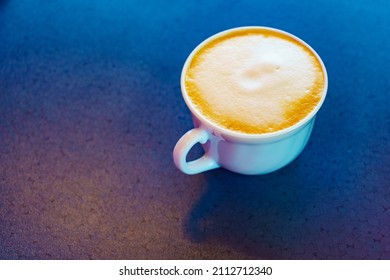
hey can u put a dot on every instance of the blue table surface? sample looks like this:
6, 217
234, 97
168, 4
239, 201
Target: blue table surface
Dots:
90, 110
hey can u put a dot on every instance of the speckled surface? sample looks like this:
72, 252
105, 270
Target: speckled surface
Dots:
90, 110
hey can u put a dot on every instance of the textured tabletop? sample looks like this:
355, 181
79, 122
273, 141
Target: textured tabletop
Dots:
90, 110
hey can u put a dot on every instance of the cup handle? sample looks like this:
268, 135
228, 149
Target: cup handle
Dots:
184, 145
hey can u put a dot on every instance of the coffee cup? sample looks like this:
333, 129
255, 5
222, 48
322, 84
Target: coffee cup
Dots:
254, 93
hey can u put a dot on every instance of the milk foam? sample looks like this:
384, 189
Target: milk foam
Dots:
255, 82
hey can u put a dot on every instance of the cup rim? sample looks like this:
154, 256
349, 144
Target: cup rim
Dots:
240, 135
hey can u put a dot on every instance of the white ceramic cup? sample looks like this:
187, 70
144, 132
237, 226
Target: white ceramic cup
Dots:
251, 154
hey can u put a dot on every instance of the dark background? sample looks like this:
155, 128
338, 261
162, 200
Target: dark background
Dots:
90, 110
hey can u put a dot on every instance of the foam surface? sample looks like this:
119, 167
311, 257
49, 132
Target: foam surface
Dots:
255, 82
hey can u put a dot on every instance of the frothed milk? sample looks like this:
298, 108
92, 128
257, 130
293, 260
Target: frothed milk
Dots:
254, 81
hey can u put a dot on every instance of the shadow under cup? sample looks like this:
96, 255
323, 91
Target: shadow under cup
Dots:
251, 154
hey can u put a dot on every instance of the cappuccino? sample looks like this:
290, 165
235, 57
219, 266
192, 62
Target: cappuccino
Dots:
254, 81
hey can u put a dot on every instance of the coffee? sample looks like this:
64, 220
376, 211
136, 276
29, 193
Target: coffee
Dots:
254, 81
